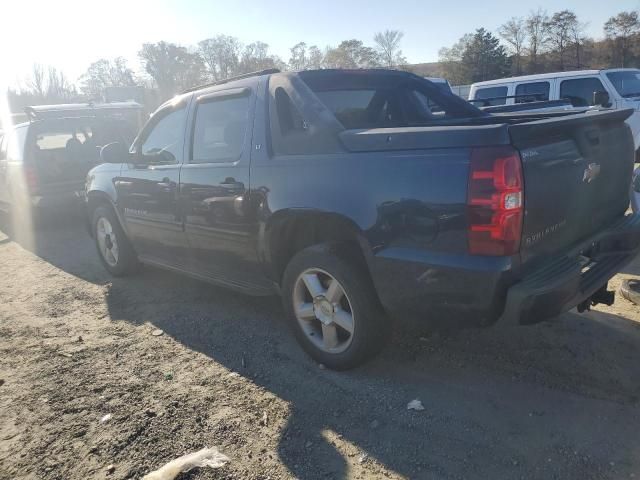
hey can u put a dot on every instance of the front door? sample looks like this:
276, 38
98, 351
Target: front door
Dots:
220, 220
148, 189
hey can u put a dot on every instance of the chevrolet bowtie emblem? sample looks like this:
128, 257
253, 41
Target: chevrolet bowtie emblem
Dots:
591, 173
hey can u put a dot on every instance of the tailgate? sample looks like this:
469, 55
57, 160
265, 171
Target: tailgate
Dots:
577, 172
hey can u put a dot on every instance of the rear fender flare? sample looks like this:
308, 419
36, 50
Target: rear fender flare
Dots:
270, 229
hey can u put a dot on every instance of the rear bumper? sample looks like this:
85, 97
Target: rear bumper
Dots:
566, 282
57, 201
427, 286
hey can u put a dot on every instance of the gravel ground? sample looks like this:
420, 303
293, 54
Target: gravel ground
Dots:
555, 400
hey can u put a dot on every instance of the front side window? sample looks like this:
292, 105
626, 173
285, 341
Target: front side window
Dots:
580, 91
220, 129
163, 144
627, 83
491, 96
532, 92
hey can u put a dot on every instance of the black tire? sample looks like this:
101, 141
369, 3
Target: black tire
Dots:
127, 260
371, 326
630, 289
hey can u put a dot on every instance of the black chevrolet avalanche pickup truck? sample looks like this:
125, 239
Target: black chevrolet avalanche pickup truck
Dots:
365, 195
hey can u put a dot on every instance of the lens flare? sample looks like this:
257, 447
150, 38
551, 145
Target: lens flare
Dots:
15, 208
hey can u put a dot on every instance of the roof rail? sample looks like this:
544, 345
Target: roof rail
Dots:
268, 71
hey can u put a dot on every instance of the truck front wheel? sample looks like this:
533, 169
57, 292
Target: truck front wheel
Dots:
333, 309
114, 248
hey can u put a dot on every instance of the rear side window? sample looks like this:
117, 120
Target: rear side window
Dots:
383, 107
491, 96
351, 107
580, 91
220, 129
308, 110
532, 92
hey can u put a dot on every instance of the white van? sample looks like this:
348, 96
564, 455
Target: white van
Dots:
615, 88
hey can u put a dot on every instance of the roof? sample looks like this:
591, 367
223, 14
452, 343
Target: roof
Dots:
545, 76
78, 109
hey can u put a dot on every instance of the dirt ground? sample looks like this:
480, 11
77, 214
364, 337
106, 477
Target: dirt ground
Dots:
555, 400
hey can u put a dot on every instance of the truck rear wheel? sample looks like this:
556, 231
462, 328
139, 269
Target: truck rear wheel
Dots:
114, 249
332, 308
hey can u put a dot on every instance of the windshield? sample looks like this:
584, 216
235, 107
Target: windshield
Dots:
627, 83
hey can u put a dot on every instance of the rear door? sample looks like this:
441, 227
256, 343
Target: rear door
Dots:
220, 220
577, 171
148, 189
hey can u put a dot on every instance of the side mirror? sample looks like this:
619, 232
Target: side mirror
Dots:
114, 152
601, 98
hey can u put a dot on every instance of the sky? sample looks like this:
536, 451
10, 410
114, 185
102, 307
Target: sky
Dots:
70, 34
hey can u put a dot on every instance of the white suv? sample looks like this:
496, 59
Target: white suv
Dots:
616, 88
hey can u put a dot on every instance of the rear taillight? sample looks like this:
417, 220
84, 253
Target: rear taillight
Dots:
30, 177
495, 201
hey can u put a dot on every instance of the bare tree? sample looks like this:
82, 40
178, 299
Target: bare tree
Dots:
255, 56
351, 54
514, 32
58, 86
316, 57
562, 30
620, 30
299, 59
578, 38
221, 55
454, 69
37, 83
107, 73
305, 58
537, 31
388, 48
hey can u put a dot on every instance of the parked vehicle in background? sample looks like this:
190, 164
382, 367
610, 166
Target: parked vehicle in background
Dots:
359, 195
617, 88
44, 161
443, 83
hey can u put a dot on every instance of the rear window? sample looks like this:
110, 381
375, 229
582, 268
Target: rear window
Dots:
362, 101
73, 140
491, 96
532, 92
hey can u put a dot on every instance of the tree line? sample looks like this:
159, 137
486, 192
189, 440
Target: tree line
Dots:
538, 43
172, 68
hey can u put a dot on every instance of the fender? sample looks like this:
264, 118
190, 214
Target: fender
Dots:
272, 227
100, 188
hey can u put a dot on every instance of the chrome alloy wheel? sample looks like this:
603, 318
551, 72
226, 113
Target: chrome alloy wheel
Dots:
323, 310
107, 241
